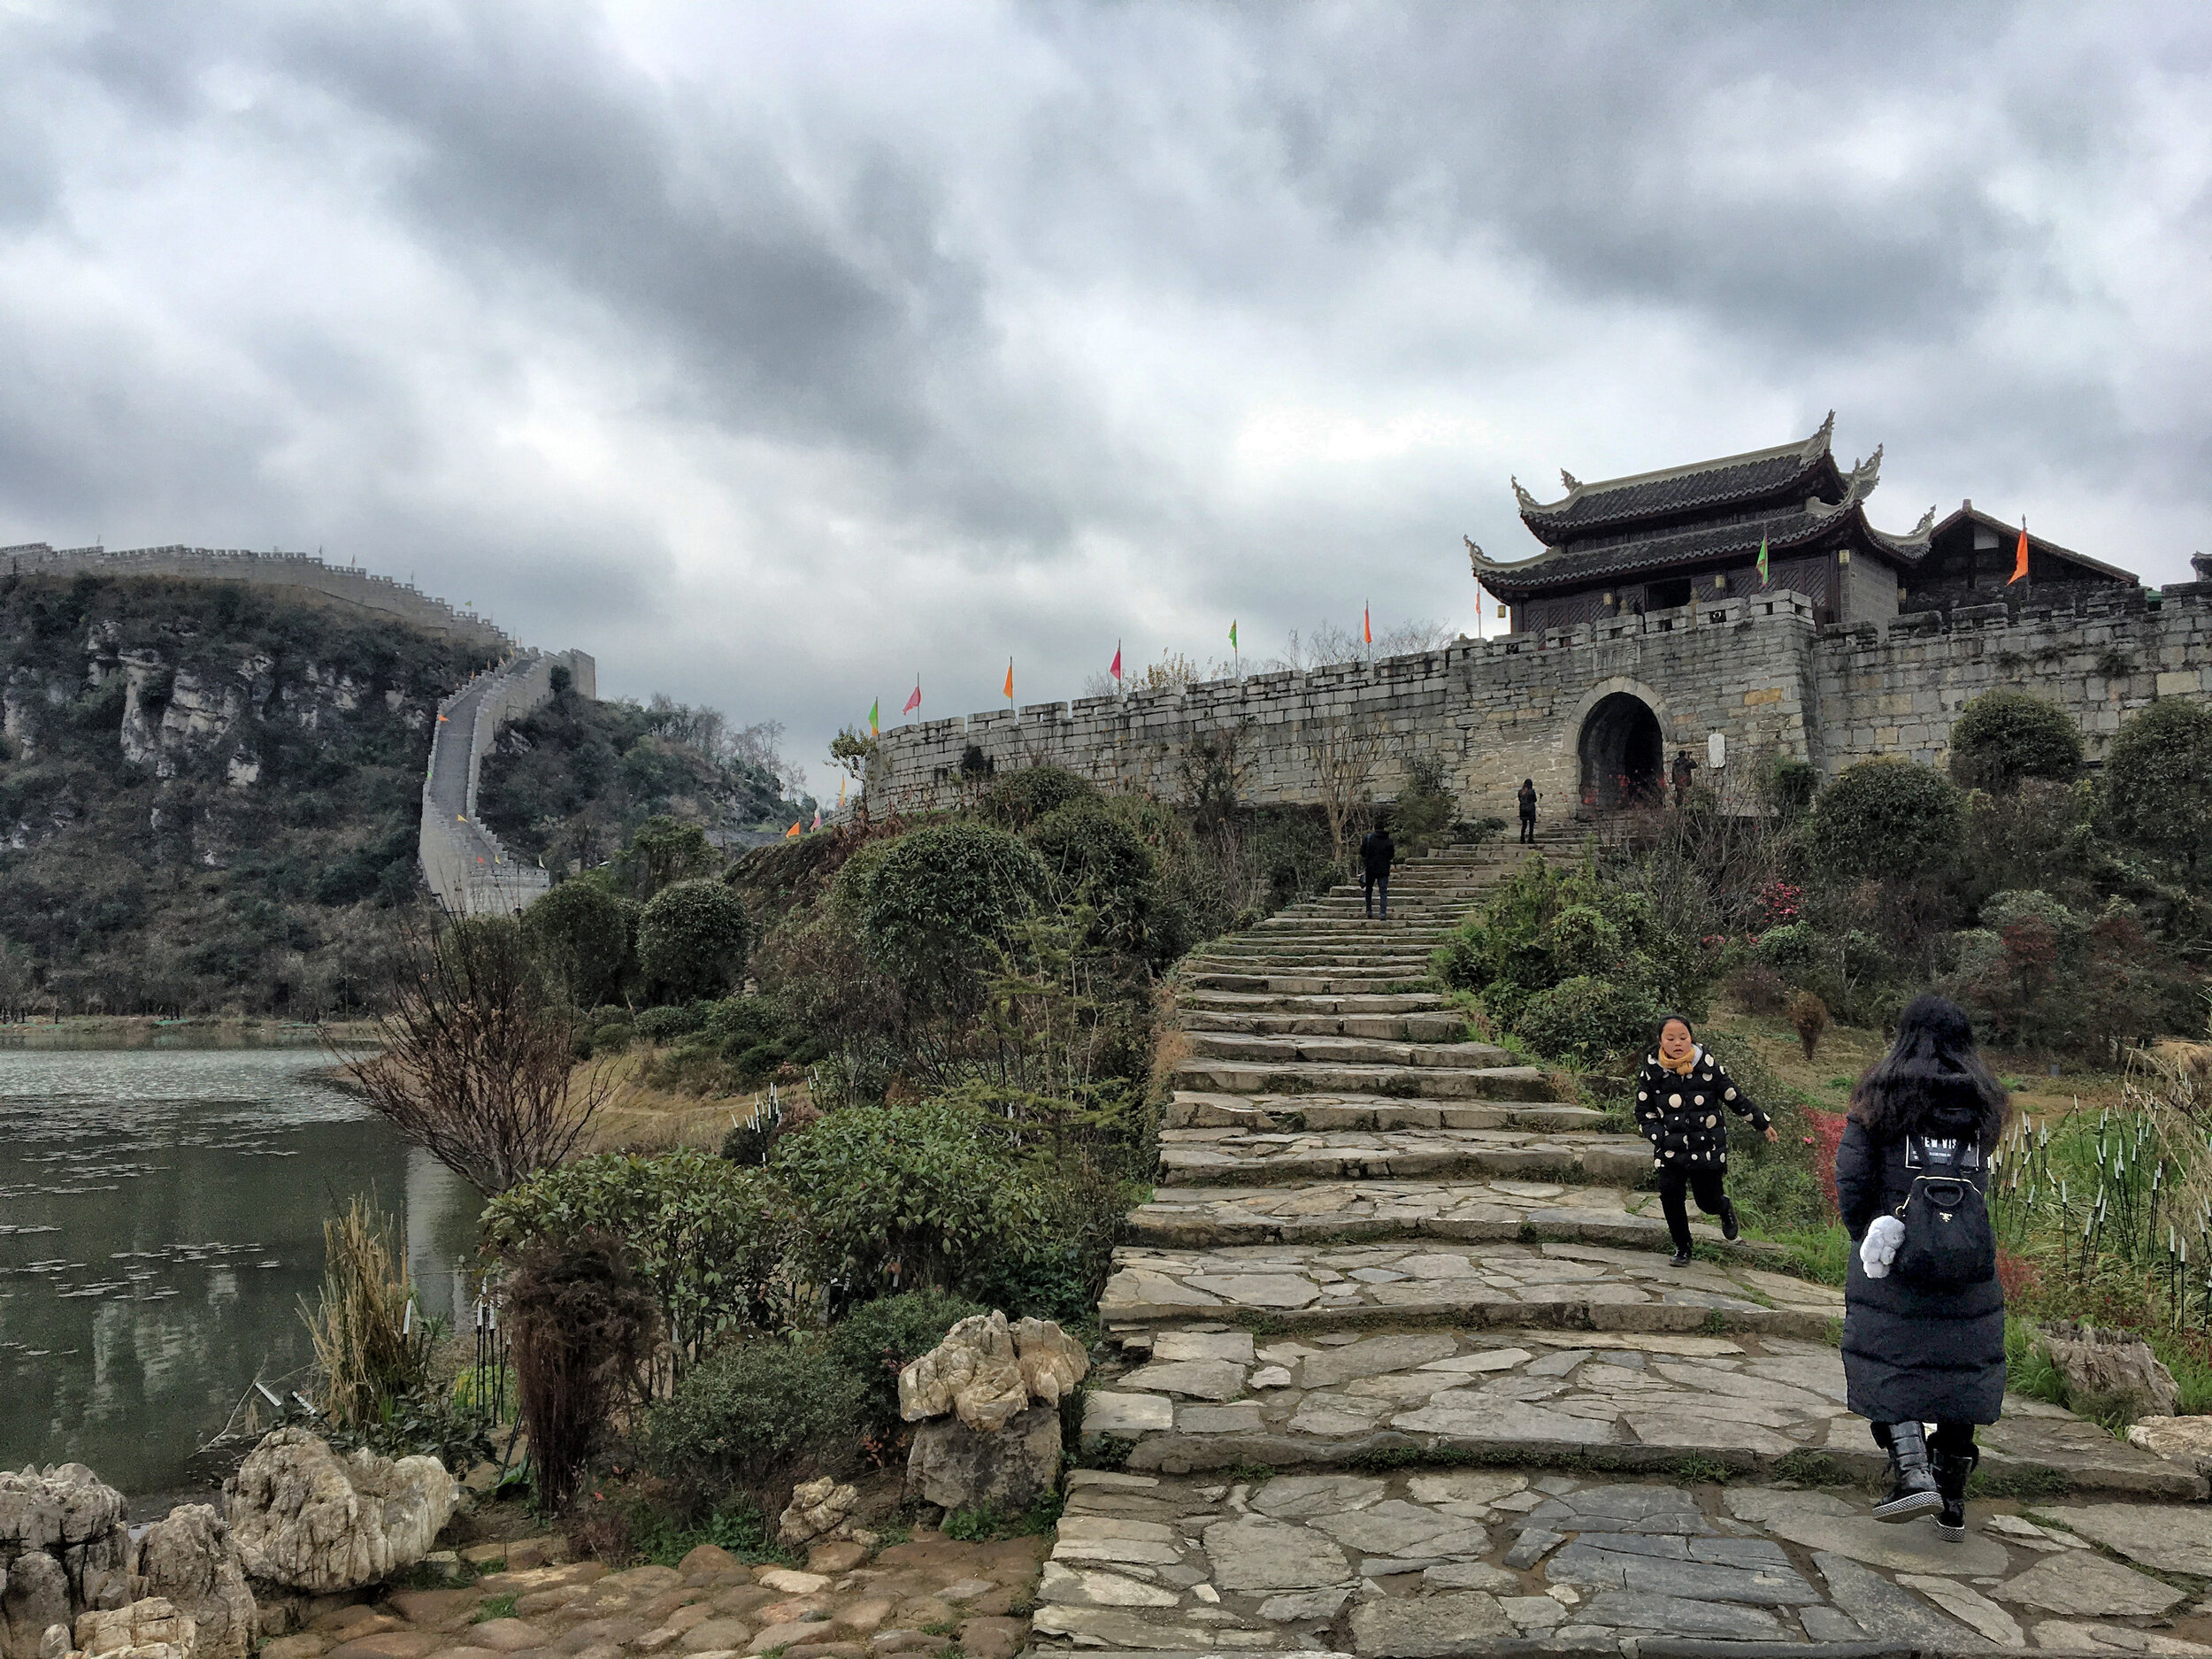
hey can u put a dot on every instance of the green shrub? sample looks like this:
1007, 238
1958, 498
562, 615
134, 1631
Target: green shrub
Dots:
923, 1196
752, 1414
2004, 736
1096, 859
880, 1339
1422, 815
692, 938
756, 1036
1787, 785
944, 901
708, 1236
853, 886
2158, 778
1462, 962
1588, 1021
666, 1023
1787, 948
1291, 850
1020, 798
1583, 942
583, 933
612, 1038
1889, 819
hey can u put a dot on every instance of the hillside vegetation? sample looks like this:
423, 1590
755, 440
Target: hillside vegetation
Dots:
209, 795
572, 782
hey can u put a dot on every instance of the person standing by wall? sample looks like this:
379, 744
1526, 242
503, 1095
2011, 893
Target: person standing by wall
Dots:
1924, 1319
1681, 1095
1684, 775
1528, 811
1376, 854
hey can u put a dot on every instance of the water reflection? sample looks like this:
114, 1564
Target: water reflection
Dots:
161, 1216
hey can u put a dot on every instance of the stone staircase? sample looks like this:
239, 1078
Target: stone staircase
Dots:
1378, 1245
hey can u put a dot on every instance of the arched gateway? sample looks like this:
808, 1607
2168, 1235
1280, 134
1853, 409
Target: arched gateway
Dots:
1620, 753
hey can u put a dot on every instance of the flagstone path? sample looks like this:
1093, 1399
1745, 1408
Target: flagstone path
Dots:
1402, 1369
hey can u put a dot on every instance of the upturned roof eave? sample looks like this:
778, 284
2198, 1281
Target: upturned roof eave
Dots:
1546, 520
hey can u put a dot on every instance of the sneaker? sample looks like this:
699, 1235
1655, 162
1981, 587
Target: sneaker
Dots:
1681, 1258
1729, 1229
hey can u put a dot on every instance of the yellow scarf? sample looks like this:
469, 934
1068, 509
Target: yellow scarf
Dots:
1683, 1070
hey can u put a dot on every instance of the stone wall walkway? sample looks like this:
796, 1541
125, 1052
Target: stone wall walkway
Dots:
1404, 1369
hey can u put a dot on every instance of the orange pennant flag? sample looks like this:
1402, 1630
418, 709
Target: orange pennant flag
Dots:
1366, 626
2020, 559
793, 833
1008, 693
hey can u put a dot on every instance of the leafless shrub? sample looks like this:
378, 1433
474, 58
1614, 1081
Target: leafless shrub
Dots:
1345, 753
1809, 1015
583, 1325
476, 1063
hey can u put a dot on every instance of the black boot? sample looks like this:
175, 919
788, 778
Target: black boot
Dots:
1951, 1470
1729, 1229
1912, 1485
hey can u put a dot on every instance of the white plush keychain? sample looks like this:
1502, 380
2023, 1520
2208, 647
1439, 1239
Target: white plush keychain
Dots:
1880, 1247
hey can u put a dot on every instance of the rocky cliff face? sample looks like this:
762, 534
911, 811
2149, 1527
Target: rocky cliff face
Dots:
198, 782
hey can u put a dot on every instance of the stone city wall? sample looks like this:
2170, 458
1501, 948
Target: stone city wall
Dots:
1757, 672
305, 576
1896, 689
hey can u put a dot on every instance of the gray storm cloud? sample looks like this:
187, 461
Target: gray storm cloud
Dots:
776, 355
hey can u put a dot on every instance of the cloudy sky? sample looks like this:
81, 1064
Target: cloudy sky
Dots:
775, 354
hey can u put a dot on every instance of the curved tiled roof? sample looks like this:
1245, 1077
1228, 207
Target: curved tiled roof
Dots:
1788, 471
1712, 541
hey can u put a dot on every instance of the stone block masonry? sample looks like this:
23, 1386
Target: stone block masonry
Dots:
1757, 673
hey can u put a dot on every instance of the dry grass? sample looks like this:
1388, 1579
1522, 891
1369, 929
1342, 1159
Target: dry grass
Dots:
363, 1343
637, 1117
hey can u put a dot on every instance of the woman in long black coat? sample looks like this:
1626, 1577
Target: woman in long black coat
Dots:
1915, 1354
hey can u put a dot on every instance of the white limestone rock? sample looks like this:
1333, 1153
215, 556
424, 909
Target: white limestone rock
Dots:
151, 1628
1052, 1361
68, 1551
304, 1517
819, 1511
975, 1374
190, 1560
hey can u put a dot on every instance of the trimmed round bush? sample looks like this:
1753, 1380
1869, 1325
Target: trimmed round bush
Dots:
1020, 798
1889, 818
2004, 736
2158, 778
880, 1339
1096, 858
666, 1023
1585, 1020
751, 1415
944, 899
932, 1190
692, 939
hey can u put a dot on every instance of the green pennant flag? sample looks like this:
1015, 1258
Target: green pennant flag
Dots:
1232, 637
875, 715
1763, 559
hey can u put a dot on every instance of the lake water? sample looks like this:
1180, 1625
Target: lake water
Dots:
161, 1216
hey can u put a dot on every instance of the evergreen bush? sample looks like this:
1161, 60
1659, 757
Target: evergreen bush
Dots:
1020, 798
708, 1236
692, 938
943, 901
1095, 859
1889, 819
584, 935
1422, 815
752, 1417
1588, 1021
2158, 778
2004, 736
917, 1196
880, 1339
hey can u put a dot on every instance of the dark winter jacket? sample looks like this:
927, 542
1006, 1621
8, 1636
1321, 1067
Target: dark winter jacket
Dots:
1527, 798
1681, 1116
1377, 852
1932, 1354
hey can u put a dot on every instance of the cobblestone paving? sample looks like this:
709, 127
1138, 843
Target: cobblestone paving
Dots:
1404, 1369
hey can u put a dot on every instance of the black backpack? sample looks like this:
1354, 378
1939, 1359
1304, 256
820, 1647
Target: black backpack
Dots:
1948, 1240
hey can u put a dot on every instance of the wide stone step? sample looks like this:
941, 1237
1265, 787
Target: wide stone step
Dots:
1267, 1049
1437, 1026
1194, 1110
1413, 1082
1477, 1210
1232, 1002
1296, 955
1190, 1397
1559, 1285
1333, 982
1262, 1157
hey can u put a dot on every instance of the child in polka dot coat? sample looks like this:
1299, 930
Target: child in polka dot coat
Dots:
1681, 1095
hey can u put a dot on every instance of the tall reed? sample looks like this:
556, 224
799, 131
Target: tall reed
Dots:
373, 1349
